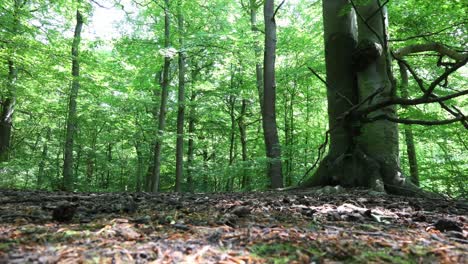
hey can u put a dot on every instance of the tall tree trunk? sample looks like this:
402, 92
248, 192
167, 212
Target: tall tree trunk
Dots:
270, 131
191, 145
181, 103
245, 181
156, 173
8, 100
68, 181
409, 138
232, 136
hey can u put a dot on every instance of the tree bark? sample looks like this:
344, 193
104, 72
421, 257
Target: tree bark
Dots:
181, 103
156, 173
270, 131
68, 181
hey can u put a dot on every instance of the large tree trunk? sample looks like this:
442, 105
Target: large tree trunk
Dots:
68, 181
270, 131
156, 173
360, 155
181, 103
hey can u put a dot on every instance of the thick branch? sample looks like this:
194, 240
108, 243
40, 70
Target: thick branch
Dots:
402, 101
437, 47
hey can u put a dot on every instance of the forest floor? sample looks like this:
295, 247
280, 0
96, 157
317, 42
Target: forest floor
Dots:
322, 226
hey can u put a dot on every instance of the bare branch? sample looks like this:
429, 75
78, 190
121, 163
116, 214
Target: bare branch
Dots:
447, 72
318, 76
428, 34
402, 101
278, 8
416, 122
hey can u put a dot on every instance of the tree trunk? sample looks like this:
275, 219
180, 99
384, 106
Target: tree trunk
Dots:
8, 101
140, 166
258, 50
181, 103
270, 131
68, 181
191, 145
232, 136
156, 173
409, 138
360, 155
245, 181
45, 150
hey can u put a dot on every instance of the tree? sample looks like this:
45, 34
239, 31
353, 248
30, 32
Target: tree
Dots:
181, 102
272, 144
362, 100
68, 180
164, 82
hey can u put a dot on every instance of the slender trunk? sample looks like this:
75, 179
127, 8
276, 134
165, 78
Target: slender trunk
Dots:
68, 181
109, 164
140, 164
162, 110
77, 163
409, 138
181, 103
273, 148
232, 138
191, 145
245, 181
45, 150
258, 51
287, 139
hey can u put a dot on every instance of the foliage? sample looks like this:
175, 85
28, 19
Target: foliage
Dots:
120, 93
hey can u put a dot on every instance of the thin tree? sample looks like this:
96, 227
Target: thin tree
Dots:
72, 116
164, 81
181, 102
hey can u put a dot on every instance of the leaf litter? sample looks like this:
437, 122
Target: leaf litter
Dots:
355, 226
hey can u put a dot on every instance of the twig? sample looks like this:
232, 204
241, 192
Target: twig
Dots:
318, 76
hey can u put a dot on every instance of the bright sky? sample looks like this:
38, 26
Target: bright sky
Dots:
104, 23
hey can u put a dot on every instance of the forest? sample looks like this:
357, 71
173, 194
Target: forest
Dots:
247, 131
